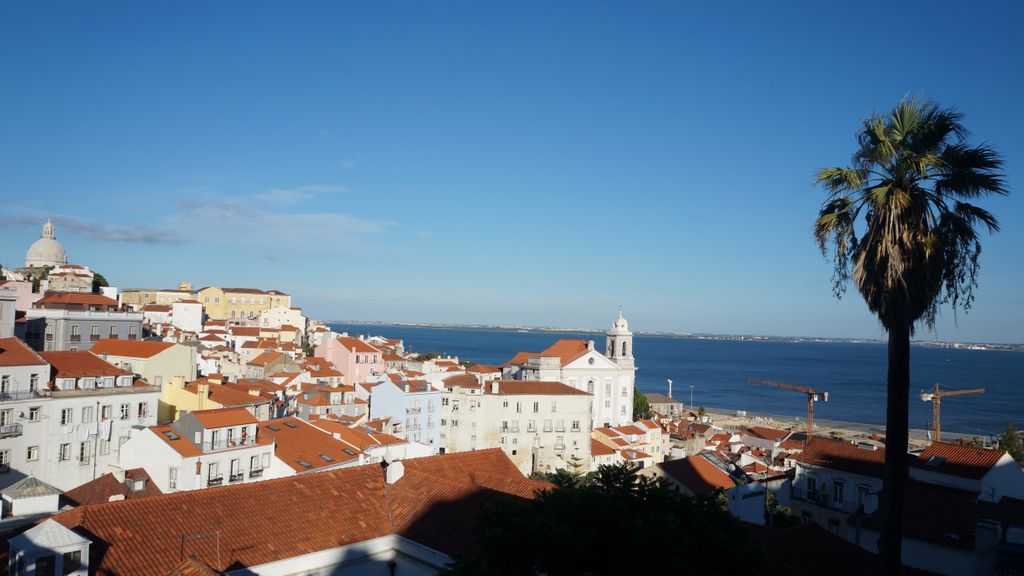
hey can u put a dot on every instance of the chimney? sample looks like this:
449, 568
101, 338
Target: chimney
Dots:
394, 471
407, 388
590, 345
203, 391
215, 378
118, 474
494, 387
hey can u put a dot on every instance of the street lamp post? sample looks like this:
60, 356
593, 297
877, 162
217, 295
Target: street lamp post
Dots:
691, 397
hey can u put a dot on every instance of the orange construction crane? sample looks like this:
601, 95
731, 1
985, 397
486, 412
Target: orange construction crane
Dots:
812, 397
936, 395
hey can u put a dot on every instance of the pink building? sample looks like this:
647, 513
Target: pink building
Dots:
356, 359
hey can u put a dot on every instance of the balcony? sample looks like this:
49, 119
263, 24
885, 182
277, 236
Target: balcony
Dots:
412, 410
215, 481
227, 444
73, 338
10, 430
236, 477
94, 337
24, 395
560, 428
255, 472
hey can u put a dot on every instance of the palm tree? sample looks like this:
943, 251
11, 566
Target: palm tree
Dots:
898, 220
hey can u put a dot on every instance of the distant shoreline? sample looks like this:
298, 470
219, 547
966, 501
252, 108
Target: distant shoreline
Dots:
980, 346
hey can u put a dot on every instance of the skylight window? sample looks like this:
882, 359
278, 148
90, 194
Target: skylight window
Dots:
305, 464
349, 452
170, 435
326, 458
290, 424
935, 461
274, 428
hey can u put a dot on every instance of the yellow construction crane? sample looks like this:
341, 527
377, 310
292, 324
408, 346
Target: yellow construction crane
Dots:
936, 395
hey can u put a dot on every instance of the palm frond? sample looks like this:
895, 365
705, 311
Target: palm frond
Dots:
970, 172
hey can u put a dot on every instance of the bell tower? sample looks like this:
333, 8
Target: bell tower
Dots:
619, 343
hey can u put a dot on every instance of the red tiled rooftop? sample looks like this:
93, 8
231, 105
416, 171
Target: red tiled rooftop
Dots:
129, 348
567, 350
435, 503
224, 417
356, 344
532, 387
698, 474
298, 441
840, 455
78, 364
14, 352
956, 460
75, 299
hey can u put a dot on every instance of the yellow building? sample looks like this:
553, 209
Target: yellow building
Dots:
228, 303
139, 297
179, 397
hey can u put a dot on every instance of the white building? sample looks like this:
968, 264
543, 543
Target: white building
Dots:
279, 316
202, 449
92, 411
187, 315
608, 378
414, 406
541, 426
23, 392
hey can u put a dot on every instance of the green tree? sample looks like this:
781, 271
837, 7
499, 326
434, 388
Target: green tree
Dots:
1010, 441
897, 222
641, 407
98, 281
606, 527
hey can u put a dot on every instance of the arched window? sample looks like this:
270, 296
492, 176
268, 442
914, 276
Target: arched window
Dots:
623, 348
590, 386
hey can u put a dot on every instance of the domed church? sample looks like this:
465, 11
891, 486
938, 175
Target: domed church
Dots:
46, 251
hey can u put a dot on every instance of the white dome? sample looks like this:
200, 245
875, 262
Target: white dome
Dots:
619, 326
46, 251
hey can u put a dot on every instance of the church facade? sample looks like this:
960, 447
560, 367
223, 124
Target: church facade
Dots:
608, 377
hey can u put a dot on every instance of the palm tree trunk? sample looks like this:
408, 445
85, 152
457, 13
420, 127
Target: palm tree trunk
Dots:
897, 421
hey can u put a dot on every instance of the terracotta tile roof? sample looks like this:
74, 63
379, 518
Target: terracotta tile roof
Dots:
245, 331
600, 448
697, 428
464, 380
483, 368
533, 387
791, 445
356, 344
840, 455
79, 364
265, 358
219, 417
567, 349
173, 438
956, 460
521, 358
767, 433
14, 352
59, 299
631, 430
633, 454
156, 308
697, 474
102, 488
435, 503
297, 443
129, 348
242, 290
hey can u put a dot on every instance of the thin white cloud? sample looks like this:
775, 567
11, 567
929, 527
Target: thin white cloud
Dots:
296, 195
425, 234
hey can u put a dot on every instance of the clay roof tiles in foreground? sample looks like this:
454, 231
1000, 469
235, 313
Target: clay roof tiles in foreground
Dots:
567, 349
840, 455
75, 299
698, 474
14, 352
129, 348
303, 447
956, 460
224, 417
78, 364
435, 503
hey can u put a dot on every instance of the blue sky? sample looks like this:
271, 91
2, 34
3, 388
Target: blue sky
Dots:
520, 163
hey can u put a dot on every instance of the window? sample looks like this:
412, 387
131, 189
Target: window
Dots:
812, 488
5, 384
94, 332
6, 417
46, 566
575, 425
143, 410
33, 414
87, 414
266, 459
862, 492
833, 526
65, 452
623, 392
623, 349
554, 406
33, 382
105, 412
837, 493
75, 334
607, 403
622, 411
32, 453
104, 446
84, 452
590, 386
547, 425
519, 406
72, 562
504, 403
5, 460
125, 411
113, 331
65, 416
132, 334
607, 389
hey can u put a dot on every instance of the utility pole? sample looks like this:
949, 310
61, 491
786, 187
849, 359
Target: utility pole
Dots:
691, 397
